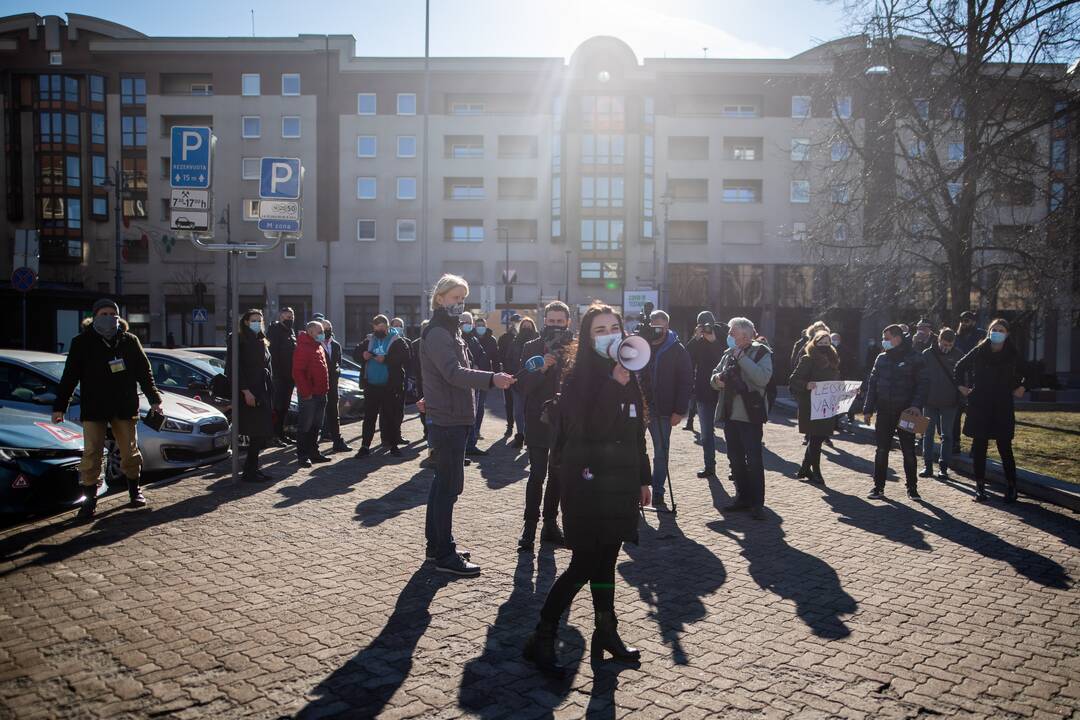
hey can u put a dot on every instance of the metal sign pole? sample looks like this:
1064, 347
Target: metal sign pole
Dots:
235, 424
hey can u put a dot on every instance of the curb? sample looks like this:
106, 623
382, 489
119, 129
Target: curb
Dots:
1033, 484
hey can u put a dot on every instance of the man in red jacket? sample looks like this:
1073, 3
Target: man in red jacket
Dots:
312, 380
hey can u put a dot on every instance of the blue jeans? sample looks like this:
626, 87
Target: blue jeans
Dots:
519, 410
448, 447
747, 465
660, 430
474, 435
942, 420
706, 411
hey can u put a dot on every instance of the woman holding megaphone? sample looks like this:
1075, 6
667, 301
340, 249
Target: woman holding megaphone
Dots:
599, 452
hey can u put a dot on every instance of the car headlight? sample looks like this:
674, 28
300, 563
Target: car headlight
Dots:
180, 426
13, 453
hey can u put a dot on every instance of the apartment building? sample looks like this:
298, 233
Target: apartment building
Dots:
573, 168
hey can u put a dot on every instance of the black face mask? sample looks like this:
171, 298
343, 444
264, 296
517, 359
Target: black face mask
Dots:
527, 333
380, 334
287, 323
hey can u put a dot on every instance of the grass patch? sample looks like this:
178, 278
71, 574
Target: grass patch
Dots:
1041, 444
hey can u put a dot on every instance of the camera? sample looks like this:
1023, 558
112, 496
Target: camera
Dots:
556, 339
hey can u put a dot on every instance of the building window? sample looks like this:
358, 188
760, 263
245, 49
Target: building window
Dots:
132, 91
97, 170
71, 171
97, 128
1057, 195
607, 271
71, 129
290, 126
800, 106
840, 151
365, 230
406, 104
406, 146
135, 208
465, 189
602, 191
406, 188
465, 230
1061, 116
48, 87
954, 189
649, 110
202, 89
71, 89
366, 146
1058, 155
251, 126
133, 131
840, 194
800, 149
52, 208
603, 113
289, 250
365, 188
52, 169
74, 214
97, 88
800, 191
134, 170
250, 84
917, 148
798, 232
365, 103
739, 111
842, 109
99, 207
249, 168
922, 108
601, 234
959, 110
52, 127
406, 230
744, 152
603, 149
251, 210
466, 108
465, 147
840, 233
290, 84
739, 193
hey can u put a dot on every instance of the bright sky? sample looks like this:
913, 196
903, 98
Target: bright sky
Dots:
542, 28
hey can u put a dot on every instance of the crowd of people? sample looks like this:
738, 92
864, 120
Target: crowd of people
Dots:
582, 412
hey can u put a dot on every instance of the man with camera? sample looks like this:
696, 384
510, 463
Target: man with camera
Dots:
669, 374
538, 388
705, 353
741, 378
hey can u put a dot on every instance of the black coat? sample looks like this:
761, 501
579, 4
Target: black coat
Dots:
992, 377
106, 394
333, 365
505, 344
282, 346
491, 347
538, 387
812, 368
897, 381
595, 431
256, 376
704, 357
398, 354
515, 354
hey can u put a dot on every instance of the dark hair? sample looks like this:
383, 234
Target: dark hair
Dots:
558, 306
583, 362
894, 330
947, 334
244, 321
827, 351
380, 320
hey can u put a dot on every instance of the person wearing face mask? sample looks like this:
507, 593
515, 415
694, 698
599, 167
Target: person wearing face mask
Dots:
991, 377
924, 337
256, 416
741, 378
669, 386
897, 383
538, 388
383, 356
109, 366
282, 346
818, 363
600, 454
705, 351
312, 377
450, 403
526, 333
942, 399
331, 429
481, 360
506, 345
968, 335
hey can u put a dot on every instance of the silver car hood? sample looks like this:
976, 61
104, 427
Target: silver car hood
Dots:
180, 407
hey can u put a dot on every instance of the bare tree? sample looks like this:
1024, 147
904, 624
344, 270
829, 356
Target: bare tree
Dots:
950, 178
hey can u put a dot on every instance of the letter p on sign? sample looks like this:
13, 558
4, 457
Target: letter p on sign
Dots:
190, 141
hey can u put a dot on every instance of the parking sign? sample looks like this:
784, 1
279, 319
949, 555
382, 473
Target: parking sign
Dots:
190, 161
279, 178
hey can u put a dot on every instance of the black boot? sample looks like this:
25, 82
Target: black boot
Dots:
1010, 491
528, 537
804, 470
540, 648
86, 512
135, 496
552, 533
815, 478
980, 490
605, 637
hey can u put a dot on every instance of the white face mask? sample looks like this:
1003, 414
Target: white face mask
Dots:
602, 343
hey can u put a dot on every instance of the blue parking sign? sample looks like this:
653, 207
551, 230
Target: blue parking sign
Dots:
279, 178
191, 154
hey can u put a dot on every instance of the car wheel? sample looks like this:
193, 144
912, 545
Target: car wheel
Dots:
114, 477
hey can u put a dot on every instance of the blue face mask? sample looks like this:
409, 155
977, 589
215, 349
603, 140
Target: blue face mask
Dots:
480, 330
395, 331
886, 345
321, 337
731, 342
255, 326
997, 337
602, 343
466, 328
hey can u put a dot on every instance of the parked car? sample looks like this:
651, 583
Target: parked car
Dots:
194, 433
188, 373
39, 462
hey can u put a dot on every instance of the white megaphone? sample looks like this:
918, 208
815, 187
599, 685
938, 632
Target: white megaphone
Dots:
632, 353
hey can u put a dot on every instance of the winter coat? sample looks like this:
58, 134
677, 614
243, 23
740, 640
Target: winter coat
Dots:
704, 356
282, 346
105, 394
309, 369
505, 344
755, 367
538, 387
491, 348
797, 350
921, 346
255, 376
896, 382
397, 356
814, 367
480, 358
332, 349
939, 367
515, 354
670, 378
449, 378
600, 457
992, 377
966, 341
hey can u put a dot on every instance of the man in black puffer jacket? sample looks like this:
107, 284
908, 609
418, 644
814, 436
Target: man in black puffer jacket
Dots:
897, 383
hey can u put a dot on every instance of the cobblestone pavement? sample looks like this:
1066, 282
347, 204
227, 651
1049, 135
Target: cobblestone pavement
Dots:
309, 597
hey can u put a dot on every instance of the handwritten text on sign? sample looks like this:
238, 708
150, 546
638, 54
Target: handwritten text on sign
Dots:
829, 399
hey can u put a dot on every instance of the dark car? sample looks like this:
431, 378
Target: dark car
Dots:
39, 462
188, 373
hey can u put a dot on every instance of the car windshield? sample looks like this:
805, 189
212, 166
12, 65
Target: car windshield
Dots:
53, 368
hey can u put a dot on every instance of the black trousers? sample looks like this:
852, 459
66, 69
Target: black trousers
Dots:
812, 457
594, 565
508, 400
978, 458
885, 425
331, 422
281, 399
379, 404
534, 490
255, 446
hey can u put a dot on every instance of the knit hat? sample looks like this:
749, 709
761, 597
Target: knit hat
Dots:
706, 318
106, 303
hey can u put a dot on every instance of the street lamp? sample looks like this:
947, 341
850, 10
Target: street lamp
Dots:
568, 253
508, 291
225, 223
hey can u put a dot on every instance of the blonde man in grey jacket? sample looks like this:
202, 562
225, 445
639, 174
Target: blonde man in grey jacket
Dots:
450, 404
740, 378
